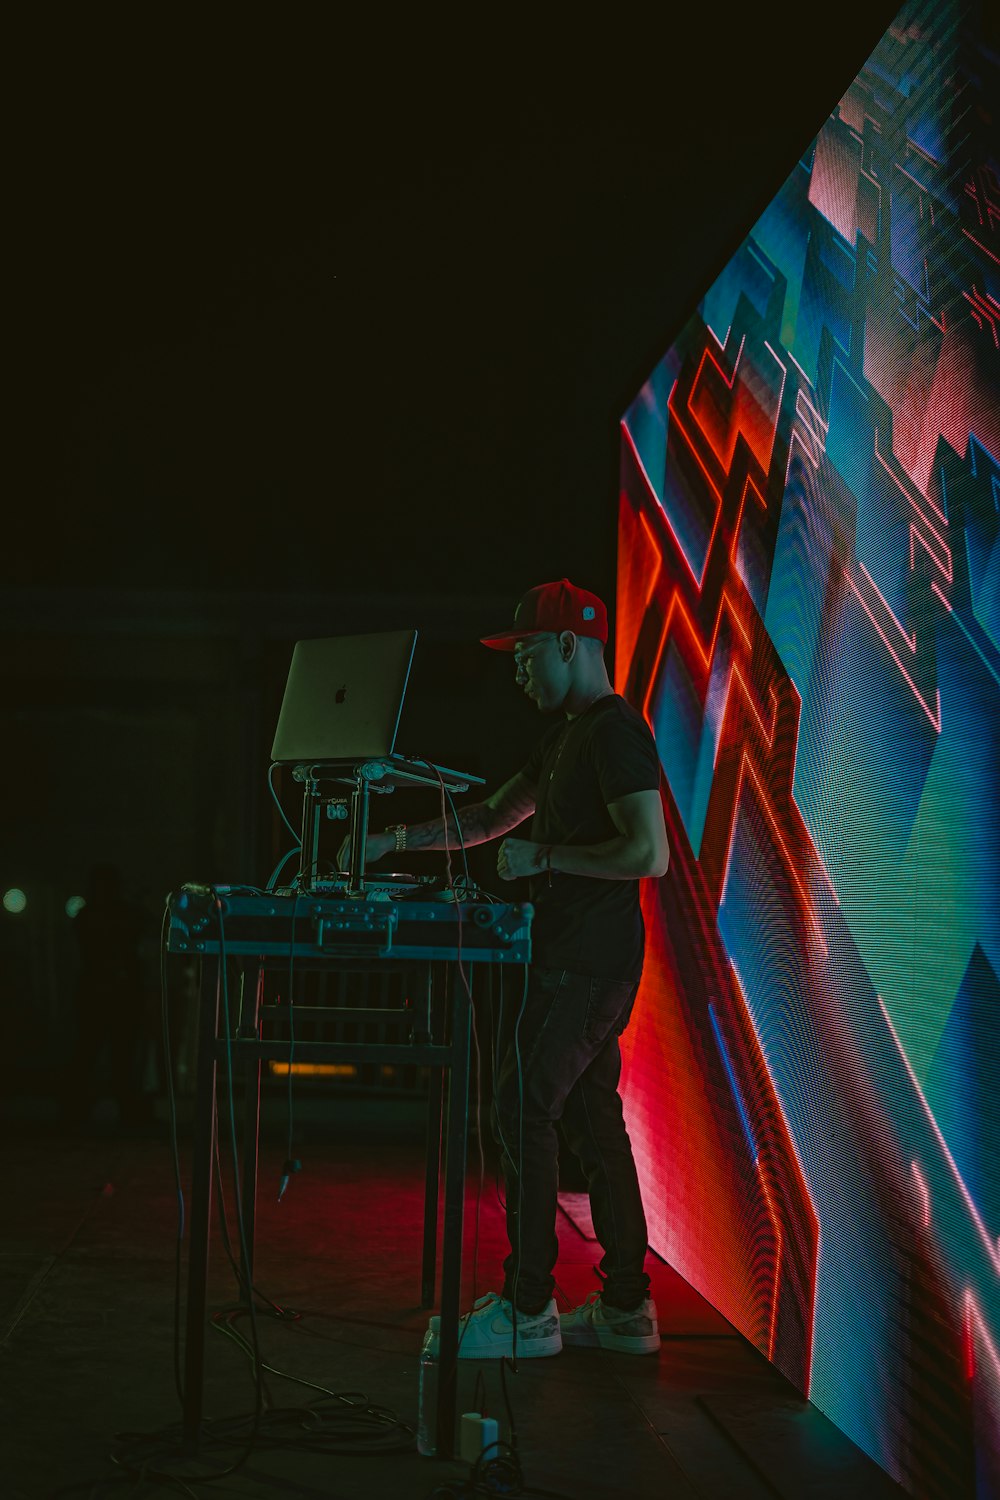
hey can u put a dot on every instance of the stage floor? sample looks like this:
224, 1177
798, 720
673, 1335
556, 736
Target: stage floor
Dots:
87, 1254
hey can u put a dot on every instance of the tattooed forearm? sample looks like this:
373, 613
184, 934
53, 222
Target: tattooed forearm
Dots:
480, 821
477, 823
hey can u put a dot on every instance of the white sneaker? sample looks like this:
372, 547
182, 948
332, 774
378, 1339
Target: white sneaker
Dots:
592, 1325
487, 1332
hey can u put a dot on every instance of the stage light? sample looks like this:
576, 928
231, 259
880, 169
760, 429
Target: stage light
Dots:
14, 900
75, 904
312, 1070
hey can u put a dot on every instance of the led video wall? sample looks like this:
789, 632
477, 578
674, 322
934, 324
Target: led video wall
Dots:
809, 616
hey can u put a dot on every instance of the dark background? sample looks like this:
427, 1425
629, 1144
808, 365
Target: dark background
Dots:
319, 325
334, 303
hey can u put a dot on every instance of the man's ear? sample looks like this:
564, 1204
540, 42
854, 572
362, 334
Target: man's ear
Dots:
567, 645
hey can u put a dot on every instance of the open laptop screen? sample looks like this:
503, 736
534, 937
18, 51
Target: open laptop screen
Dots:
344, 697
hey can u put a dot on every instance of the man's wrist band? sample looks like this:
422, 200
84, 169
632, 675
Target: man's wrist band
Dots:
399, 829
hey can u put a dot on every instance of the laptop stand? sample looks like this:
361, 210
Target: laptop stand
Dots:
380, 776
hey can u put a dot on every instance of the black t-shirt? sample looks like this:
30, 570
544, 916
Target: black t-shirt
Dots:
584, 924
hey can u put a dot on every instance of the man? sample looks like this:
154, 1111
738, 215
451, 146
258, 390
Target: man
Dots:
592, 784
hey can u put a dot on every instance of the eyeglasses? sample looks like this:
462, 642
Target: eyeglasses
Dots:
521, 658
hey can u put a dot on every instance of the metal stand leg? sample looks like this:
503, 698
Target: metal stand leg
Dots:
456, 1145
443, 1041
432, 1178
359, 836
201, 1204
435, 1097
309, 854
250, 1029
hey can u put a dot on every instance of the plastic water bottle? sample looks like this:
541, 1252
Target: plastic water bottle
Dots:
427, 1398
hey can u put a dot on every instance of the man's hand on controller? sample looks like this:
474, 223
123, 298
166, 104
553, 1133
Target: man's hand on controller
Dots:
377, 846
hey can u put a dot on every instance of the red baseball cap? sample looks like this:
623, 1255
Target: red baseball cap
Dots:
552, 608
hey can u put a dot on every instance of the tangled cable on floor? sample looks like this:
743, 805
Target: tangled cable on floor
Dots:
497, 1470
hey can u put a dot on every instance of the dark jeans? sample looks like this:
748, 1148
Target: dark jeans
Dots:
570, 1066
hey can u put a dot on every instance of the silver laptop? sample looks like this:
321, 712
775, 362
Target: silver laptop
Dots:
344, 697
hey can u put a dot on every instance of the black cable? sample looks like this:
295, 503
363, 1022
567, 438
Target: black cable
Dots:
276, 800
475, 1032
505, 1149
341, 1422
284, 1313
497, 1470
95, 1488
237, 1190
292, 1164
496, 1073
282, 862
446, 793
144, 1472
472, 1016
520, 1158
461, 838
140, 1454
352, 1405
479, 1140
242, 1283
168, 1069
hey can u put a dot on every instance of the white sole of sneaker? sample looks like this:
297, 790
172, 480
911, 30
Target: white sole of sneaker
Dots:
526, 1349
624, 1343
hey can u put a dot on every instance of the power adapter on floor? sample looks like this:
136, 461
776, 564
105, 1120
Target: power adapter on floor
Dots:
474, 1435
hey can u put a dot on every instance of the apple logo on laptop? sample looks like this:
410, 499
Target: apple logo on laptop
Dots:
340, 694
